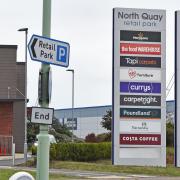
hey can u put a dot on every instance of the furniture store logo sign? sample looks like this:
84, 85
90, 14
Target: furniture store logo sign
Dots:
140, 74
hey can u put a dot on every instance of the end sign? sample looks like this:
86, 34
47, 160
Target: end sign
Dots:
49, 51
42, 115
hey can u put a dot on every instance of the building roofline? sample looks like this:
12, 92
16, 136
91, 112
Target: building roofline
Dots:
10, 100
96, 106
85, 107
170, 100
8, 46
20, 63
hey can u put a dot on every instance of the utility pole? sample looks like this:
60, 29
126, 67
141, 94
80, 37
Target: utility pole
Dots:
43, 137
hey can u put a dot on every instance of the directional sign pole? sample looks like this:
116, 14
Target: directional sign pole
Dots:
43, 137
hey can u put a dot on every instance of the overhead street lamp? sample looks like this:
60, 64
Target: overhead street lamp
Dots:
72, 70
25, 94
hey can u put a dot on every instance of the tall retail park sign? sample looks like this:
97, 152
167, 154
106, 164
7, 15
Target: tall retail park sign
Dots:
139, 88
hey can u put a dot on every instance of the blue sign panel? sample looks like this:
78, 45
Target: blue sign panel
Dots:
49, 51
140, 87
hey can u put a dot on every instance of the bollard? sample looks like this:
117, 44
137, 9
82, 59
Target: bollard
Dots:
21, 176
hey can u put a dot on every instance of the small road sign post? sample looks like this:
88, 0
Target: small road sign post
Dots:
49, 51
41, 115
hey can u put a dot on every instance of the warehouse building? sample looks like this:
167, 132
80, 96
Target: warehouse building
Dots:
88, 119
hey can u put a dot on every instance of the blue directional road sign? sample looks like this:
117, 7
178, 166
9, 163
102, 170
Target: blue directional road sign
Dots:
49, 51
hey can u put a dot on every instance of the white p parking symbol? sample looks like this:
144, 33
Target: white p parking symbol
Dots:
61, 53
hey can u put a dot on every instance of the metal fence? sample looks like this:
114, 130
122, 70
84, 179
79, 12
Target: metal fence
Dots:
6, 145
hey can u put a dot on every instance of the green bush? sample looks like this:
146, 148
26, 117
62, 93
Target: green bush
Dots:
34, 150
169, 135
83, 151
104, 137
79, 151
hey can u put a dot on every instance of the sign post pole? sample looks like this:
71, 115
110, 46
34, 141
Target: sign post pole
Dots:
43, 137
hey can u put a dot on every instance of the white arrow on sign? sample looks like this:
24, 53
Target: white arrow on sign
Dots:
49, 51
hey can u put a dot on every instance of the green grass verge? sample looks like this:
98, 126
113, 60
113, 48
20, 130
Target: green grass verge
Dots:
7, 173
107, 167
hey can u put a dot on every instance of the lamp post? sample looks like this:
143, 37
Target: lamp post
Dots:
72, 70
25, 94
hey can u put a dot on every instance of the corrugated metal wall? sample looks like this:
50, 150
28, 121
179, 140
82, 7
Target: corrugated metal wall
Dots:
12, 95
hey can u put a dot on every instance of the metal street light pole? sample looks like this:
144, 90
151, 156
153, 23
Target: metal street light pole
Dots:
72, 70
25, 94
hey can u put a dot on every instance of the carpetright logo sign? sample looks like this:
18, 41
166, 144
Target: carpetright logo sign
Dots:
139, 81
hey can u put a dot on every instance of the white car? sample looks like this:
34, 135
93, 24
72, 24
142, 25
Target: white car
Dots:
51, 140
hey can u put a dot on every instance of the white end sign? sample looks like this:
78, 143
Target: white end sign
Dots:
42, 115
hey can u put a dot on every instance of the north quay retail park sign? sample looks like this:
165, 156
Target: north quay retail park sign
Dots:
139, 90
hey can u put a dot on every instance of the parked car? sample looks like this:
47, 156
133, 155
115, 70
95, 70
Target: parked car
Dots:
51, 139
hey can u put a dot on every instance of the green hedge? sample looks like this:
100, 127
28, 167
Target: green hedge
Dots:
80, 151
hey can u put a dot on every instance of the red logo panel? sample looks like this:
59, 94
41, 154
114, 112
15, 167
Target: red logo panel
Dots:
133, 48
140, 139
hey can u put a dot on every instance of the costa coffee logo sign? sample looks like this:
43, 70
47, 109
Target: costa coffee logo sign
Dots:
140, 139
147, 49
137, 61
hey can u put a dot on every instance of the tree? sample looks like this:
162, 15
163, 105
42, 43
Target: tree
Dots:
60, 132
32, 131
107, 119
169, 134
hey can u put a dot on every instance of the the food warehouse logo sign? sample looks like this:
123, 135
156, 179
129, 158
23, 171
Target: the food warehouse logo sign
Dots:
139, 106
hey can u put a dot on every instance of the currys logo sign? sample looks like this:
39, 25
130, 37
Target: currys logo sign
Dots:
140, 87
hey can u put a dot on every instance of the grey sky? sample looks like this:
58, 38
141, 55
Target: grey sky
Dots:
87, 26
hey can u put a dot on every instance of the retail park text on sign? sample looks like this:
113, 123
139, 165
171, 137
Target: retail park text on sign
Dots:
49, 51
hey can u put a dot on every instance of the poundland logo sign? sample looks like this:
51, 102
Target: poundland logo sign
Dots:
140, 113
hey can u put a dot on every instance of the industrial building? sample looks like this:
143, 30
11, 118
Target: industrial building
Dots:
88, 119
12, 101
